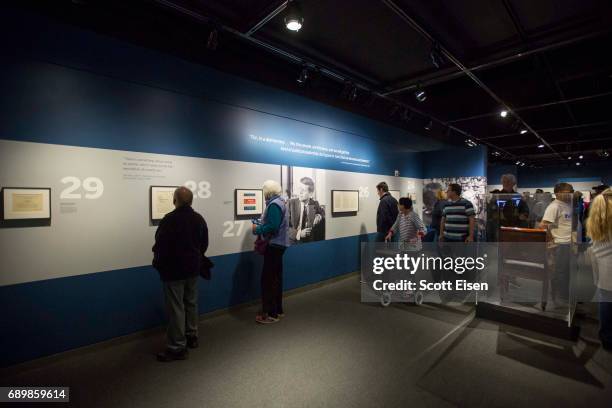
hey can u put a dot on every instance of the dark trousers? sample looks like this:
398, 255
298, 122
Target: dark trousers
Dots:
561, 275
605, 318
272, 281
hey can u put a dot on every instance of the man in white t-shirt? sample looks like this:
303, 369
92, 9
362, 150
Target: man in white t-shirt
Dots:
558, 220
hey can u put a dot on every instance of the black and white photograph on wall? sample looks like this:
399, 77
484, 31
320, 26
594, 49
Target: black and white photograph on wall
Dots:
304, 190
473, 189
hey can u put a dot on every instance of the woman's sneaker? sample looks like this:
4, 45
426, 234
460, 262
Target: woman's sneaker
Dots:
265, 319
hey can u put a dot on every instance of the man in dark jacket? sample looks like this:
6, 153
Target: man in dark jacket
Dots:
180, 243
387, 211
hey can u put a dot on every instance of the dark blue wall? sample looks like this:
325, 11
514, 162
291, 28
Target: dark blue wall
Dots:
549, 176
466, 162
91, 90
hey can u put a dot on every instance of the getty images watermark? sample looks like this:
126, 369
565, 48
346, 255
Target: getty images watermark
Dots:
408, 263
432, 272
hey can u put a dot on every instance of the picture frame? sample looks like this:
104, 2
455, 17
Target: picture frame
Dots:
345, 202
25, 204
161, 201
248, 203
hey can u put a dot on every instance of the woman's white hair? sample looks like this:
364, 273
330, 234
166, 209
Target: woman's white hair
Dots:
271, 188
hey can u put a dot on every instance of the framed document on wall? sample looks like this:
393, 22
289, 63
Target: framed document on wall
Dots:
395, 194
25, 203
345, 202
161, 201
249, 203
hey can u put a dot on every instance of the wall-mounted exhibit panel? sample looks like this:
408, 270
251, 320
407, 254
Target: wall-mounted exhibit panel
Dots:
103, 202
249, 203
345, 202
395, 194
162, 201
22, 203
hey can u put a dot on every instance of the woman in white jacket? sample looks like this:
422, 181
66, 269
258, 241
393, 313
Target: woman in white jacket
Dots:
599, 228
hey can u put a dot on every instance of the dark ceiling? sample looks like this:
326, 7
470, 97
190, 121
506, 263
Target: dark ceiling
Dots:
547, 61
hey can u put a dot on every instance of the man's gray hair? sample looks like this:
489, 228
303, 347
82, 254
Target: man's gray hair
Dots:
271, 188
510, 177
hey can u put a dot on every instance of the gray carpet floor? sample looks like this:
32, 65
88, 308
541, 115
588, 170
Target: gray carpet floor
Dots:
331, 350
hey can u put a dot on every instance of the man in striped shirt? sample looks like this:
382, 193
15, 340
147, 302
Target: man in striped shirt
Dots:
458, 217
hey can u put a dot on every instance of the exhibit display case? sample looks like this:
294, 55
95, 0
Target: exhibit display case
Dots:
535, 244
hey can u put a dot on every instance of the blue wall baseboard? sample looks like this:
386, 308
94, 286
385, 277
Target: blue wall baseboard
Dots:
50, 316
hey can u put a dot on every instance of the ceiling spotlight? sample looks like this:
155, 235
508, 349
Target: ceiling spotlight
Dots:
470, 143
523, 131
436, 56
577, 163
213, 40
407, 115
522, 164
293, 16
353, 93
581, 157
540, 146
569, 157
496, 154
604, 153
503, 113
304, 75
517, 162
420, 94
429, 125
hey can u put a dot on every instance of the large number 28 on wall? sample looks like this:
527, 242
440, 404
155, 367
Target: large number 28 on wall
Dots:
93, 187
201, 189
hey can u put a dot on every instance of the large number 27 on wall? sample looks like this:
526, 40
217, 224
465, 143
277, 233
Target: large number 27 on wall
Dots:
93, 186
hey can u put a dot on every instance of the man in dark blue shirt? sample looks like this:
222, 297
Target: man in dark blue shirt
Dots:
387, 211
180, 243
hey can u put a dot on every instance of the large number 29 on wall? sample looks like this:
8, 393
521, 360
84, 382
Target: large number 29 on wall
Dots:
93, 187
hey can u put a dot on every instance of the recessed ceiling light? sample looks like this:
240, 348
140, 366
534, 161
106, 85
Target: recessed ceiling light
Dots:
523, 131
503, 113
569, 157
577, 163
293, 17
581, 157
540, 146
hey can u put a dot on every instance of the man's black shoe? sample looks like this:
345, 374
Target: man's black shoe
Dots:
192, 342
171, 355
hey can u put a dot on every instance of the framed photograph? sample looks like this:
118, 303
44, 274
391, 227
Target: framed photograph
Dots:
345, 202
395, 194
25, 203
162, 201
249, 203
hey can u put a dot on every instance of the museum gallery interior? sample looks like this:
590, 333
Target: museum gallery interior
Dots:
306, 203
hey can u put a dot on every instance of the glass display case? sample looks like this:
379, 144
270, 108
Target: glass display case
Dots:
534, 242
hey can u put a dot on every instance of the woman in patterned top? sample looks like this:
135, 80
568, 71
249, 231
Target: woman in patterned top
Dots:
408, 223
